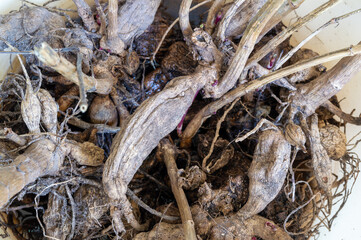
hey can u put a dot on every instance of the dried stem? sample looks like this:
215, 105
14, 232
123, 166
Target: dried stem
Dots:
212, 14
10, 135
245, 47
280, 14
169, 152
208, 110
311, 95
83, 103
101, 128
260, 124
112, 19
112, 40
231, 12
302, 43
282, 36
50, 58
184, 23
348, 118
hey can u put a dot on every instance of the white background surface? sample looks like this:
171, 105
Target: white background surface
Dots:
348, 225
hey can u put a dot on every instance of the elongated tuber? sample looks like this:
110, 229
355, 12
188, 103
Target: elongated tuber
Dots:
271, 160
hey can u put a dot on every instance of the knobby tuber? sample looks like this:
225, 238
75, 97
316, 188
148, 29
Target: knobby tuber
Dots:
230, 227
333, 140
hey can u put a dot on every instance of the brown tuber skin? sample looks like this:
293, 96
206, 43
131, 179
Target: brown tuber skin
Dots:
333, 140
103, 111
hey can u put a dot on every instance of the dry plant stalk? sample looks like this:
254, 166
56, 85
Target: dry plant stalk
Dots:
249, 9
245, 48
240, 91
228, 16
112, 40
169, 153
282, 36
310, 96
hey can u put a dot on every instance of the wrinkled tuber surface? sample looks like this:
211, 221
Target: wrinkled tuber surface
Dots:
333, 140
134, 17
154, 119
321, 163
145, 128
40, 158
267, 172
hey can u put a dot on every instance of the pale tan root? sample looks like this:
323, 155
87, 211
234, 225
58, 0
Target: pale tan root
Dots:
169, 153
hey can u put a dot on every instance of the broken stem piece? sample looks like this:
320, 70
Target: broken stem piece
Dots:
302, 43
50, 58
182, 202
339, 113
8, 134
101, 128
83, 104
231, 12
282, 36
